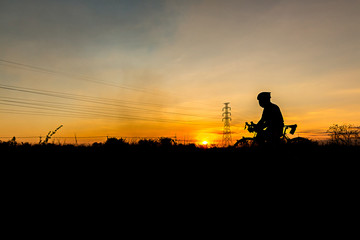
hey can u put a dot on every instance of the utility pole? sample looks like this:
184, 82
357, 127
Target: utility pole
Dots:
226, 140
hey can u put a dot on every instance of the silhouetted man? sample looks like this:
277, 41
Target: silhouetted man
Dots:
270, 127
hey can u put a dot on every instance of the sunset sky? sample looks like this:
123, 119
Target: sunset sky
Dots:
165, 68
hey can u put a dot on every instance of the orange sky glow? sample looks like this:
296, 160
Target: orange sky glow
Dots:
137, 69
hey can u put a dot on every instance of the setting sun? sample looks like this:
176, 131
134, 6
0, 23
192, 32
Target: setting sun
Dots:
204, 143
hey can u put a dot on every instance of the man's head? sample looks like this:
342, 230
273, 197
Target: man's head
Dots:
264, 98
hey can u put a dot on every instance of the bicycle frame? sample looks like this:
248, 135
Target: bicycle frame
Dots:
253, 128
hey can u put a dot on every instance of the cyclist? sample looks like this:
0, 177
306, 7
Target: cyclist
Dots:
270, 127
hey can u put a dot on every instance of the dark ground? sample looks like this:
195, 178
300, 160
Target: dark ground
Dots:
151, 175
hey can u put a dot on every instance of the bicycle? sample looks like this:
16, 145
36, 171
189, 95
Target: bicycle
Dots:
284, 139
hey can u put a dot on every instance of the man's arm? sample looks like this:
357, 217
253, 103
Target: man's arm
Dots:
262, 122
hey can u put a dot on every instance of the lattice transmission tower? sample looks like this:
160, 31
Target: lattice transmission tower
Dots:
226, 140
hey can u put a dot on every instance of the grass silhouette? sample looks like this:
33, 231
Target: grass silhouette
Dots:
150, 149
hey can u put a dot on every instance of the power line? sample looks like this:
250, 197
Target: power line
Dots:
49, 108
23, 66
89, 114
100, 108
96, 100
81, 77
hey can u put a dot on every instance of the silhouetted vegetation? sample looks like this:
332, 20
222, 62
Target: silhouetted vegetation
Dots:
49, 135
151, 149
346, 134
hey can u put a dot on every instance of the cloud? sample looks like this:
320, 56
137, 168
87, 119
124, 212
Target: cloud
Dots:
83, 27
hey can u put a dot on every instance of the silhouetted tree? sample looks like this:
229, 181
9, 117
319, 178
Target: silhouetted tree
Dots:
166, 142
147, 143
13, 142
346, 134
116, 142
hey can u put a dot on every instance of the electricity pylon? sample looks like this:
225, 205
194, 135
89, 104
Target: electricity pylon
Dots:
226, 140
